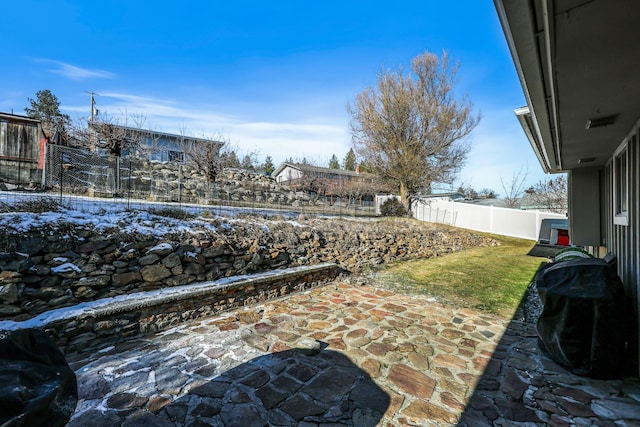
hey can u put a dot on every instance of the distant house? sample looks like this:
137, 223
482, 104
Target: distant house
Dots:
160, 146
527, 202
21, 143
449, 197
326, 181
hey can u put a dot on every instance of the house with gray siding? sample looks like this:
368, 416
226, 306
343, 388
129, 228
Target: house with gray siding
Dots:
155, 145
578, 64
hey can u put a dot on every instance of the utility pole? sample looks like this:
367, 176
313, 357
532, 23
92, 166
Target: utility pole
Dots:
94, 112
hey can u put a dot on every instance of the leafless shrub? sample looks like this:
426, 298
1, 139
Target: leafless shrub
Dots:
173, 213
34, 206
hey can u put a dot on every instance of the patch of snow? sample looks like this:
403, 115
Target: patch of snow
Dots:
127, 222
111, 304
60, 259
161, 247
294, 223
67, 267
106, 349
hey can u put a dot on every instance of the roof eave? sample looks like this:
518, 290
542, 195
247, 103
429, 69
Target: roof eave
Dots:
280, 168
531, 54
529, 127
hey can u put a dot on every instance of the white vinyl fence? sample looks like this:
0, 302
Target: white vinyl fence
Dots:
503, 221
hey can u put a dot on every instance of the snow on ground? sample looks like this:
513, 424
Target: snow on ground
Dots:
127, 216
126, 222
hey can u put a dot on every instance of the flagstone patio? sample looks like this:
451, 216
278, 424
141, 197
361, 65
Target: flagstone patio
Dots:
343, 355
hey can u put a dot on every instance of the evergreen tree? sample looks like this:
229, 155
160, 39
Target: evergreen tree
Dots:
229, 159
365, 167
268, 166
333, 162
248, 163
349, 163
46, 108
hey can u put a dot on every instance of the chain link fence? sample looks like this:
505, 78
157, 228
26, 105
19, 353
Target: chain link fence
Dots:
87, 181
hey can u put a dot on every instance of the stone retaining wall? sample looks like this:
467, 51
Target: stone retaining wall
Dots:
64, 266
108, 321
165, 182
173, 182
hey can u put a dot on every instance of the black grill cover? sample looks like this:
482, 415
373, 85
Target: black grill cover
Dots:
587, 324
37, 386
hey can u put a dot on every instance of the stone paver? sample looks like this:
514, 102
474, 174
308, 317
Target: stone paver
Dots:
343, 355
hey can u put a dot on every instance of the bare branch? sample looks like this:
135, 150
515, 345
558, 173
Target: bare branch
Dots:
550, 195
207, 158
514, 189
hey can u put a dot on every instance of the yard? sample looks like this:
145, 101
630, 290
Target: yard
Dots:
492, 278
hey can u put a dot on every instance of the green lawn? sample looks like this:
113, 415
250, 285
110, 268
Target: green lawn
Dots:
492, 279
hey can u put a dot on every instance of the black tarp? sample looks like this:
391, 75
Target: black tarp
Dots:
587, 324
37, 386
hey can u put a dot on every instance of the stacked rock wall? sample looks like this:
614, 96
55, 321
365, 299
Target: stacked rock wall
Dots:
114, 321
51, 268
172, 182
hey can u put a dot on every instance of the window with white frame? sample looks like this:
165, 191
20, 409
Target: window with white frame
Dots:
621, 185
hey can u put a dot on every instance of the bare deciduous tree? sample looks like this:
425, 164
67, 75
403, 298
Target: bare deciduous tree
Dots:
487, 193
355, 190
467, 191
411, 129
211, 159
114, 134
551, 194
250, 161
514, 189
206, 158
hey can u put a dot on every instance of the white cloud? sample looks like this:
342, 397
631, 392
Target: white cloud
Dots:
315, 140
74, 72
499, 147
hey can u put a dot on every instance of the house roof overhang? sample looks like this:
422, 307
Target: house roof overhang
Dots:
316, 169
155, 133
16, 118
281, 167
577, 62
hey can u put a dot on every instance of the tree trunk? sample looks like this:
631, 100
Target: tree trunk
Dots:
404, 197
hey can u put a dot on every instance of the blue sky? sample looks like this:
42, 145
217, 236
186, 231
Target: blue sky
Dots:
272, 77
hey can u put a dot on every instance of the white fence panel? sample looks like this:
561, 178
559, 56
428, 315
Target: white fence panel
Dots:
503, 221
